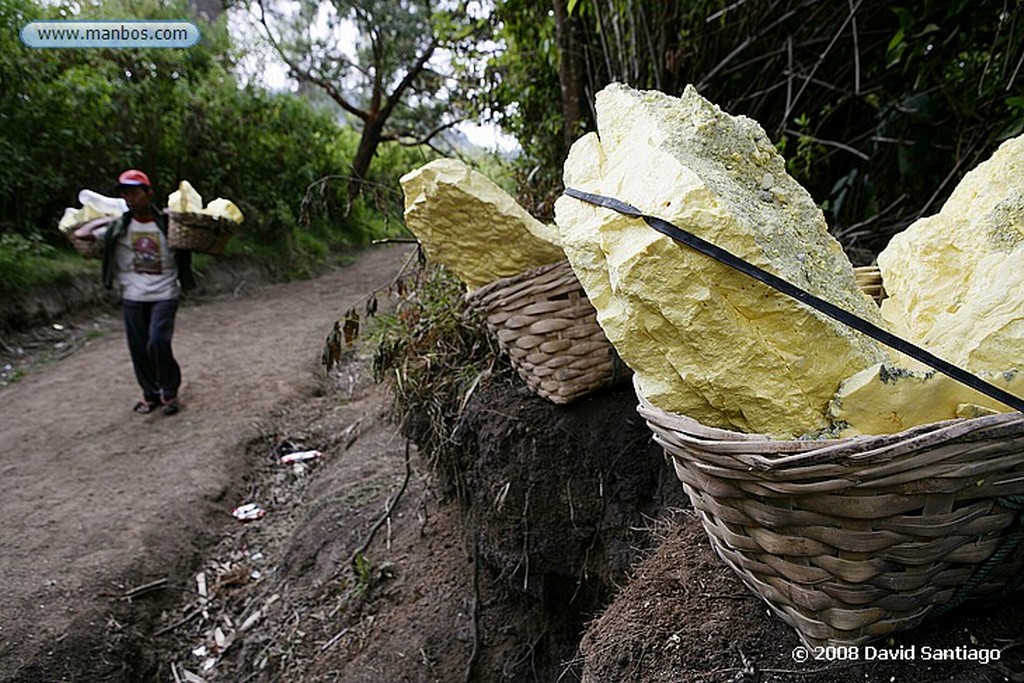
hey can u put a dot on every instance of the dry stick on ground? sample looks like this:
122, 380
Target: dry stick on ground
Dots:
350, 434
75, 346
475, 654
812, 672
334, 639
596, 536
181, 622
749, 670
145, 588
387, 513
526, 539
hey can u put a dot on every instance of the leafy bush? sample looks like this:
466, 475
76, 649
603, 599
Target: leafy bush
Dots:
72, 119
29, 262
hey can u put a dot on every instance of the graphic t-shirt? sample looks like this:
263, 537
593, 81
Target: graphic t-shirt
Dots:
145, 265
146, 250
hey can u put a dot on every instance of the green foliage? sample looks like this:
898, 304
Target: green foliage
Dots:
432, 352
522, 96
382, 74
1015, 124
364, 574
72, 119
879, 107
29, 262
264, 152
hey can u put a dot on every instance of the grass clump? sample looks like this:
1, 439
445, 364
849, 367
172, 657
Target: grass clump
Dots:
433, 351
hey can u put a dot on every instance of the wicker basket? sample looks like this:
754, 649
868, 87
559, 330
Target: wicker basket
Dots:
89, 248
199, 232
544, 321
869, 279
848, 540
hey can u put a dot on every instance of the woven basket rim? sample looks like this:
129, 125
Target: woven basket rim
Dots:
89, 248
75, 238
98, 220
850, 539
545, 324
765, 453
200, 219
483, 291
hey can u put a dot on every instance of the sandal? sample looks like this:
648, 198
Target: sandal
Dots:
172, 407
146, 407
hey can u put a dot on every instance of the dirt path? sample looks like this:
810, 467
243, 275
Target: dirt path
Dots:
95, 499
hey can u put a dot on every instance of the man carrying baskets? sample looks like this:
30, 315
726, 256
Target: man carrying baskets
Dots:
151, 275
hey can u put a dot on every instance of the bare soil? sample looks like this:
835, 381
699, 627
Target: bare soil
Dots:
684, 616
549, 544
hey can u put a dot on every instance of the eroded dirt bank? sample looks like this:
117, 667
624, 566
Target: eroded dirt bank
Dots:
568, 555
491, 577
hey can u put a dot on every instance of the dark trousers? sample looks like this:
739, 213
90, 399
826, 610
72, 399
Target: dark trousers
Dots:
149, 326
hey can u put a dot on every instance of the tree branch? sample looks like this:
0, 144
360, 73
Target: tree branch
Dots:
821, 60
407, 139
829, 143
306, 75
410, 75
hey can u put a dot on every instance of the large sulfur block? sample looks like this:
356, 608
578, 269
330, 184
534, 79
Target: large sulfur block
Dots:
955, 280
470, 225
703, 339
955, 286
186, 199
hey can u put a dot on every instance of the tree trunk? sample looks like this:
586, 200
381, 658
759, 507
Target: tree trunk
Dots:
369, 141
570, 73
374, 120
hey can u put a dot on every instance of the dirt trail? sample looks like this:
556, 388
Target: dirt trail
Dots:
95, 499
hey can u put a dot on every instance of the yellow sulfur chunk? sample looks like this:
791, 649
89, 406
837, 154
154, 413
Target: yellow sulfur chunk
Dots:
955, 280
94, 205
970, 410
73, 217
185, 199
470, 225
884, 399
703, 339
955, 286
224, 208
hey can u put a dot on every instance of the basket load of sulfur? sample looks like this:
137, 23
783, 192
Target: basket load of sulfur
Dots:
79, 224
205, 229
517, 279
854, 491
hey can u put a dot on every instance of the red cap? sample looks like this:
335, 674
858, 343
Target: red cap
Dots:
133, 177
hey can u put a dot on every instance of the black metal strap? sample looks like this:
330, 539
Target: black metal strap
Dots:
805, 297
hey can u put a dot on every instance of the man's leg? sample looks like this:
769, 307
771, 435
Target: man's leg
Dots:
161, 332
136, 328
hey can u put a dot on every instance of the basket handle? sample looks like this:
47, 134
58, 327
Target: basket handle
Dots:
803, 296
